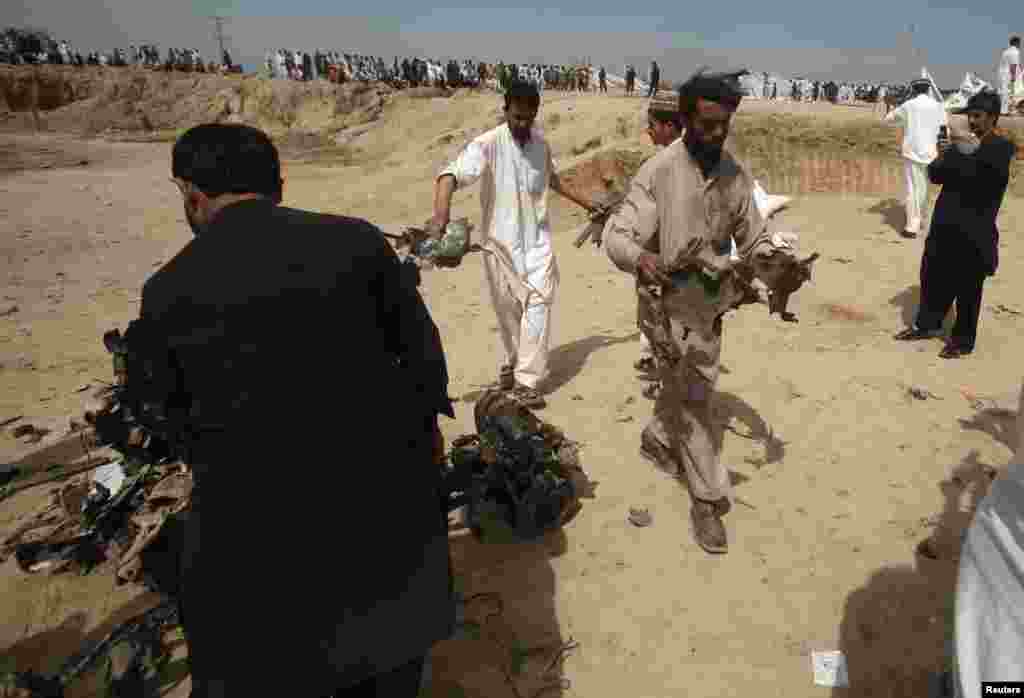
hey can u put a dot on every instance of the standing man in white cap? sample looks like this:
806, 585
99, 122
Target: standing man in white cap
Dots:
921, 118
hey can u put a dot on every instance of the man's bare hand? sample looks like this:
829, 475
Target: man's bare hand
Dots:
958, 134
437, 224
649, 269
439, 452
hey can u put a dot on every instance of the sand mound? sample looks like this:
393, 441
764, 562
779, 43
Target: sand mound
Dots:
607, 170
92, 101
17, 87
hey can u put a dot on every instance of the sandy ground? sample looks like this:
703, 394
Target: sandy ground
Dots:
839, 470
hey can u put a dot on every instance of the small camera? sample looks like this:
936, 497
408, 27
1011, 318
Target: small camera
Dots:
943, 133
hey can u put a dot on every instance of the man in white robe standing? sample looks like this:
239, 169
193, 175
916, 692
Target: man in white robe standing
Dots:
514, 163
921, 117
1009, 69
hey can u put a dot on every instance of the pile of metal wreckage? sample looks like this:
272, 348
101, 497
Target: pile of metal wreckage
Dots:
515, 479
117, 513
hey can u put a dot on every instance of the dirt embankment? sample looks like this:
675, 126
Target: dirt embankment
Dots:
97, 100
93, 101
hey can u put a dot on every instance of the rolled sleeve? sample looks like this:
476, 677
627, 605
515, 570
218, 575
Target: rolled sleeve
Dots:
469, 166
634, 225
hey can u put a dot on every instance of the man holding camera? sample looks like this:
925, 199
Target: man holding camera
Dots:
962, 248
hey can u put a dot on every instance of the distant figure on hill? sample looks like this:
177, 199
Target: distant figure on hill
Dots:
1007, 72
655, 79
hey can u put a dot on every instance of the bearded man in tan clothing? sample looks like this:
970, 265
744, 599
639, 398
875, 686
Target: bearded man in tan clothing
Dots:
675, 231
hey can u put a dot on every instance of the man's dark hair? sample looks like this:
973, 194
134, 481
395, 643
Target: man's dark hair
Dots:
919, 88
522, 91
1015, 41
723, 88
228, 159
666, 117
987, 101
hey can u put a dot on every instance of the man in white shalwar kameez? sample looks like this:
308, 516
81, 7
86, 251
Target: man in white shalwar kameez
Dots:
921, 116
1008, 71
514, 163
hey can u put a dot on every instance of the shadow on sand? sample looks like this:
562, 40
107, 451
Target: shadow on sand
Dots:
892, 212
908, 300
729, 408
45, 652
518, 650
566, 362
897, 628
569, 359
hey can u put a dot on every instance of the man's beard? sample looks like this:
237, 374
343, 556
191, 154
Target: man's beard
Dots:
706, 155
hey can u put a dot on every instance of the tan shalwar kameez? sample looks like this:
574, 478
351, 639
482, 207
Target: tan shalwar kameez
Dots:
670, 206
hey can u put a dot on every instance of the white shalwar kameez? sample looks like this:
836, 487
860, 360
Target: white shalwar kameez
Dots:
519, 261
1009, 57
921, 118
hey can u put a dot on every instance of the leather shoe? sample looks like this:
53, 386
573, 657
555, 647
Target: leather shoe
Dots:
954, 351
913, 334
654, 451
708, 529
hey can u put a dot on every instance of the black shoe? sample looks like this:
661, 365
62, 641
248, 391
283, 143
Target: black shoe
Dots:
913, 334
955, 351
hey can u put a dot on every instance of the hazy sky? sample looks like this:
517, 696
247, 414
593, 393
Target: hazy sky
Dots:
868, 39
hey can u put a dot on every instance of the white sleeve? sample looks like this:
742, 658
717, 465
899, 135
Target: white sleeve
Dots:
469, 166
